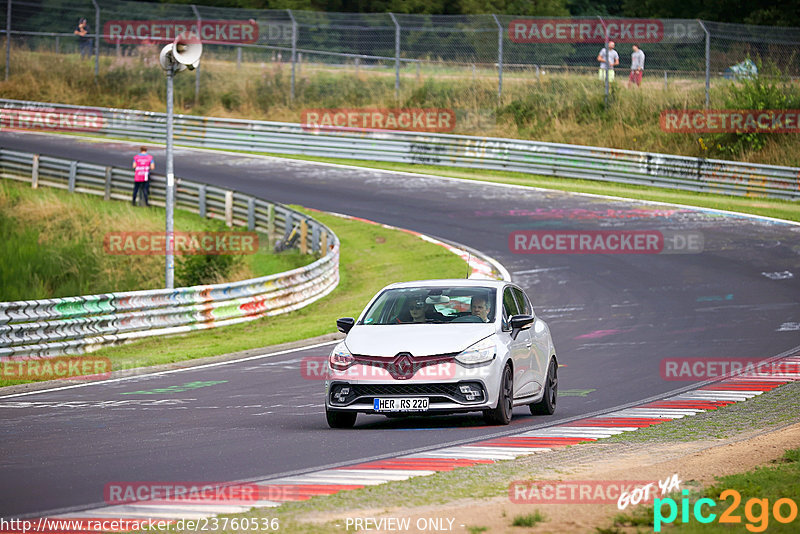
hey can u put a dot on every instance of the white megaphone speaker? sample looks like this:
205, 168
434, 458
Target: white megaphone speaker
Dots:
183, 52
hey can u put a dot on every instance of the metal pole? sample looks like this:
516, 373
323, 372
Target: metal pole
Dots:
197, 69
499, 58
96, 40
8, 37
294, 49
396, 57
708, 63
170, 194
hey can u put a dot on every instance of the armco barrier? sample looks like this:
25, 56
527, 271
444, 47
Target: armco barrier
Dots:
73, 325
549, 159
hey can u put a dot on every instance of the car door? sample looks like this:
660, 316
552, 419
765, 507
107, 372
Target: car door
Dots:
538, 341
519, 348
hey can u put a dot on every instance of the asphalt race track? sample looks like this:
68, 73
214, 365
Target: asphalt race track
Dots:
614, 318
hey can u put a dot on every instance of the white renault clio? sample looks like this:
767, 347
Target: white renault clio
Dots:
442, 346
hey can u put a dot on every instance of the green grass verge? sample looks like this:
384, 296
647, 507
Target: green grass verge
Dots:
764, 412
371, 257
53, 246
780, 209
758, 492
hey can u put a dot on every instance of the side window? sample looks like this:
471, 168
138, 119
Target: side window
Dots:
524, 305
509, 304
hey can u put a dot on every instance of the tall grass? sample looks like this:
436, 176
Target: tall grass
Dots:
52, 246
560, 107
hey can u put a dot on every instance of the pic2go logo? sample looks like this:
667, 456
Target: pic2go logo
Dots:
757, 521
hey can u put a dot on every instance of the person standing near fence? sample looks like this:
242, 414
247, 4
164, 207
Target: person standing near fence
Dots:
143, 163
84, 40
637, 66
608, 60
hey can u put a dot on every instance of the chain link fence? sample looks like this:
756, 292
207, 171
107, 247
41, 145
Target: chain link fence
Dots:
500, 54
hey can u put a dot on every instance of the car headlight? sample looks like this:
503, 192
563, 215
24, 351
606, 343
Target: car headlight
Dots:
340, 358
481, 352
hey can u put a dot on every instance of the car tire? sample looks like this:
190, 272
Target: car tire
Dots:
340, 419
547, 406
501, 415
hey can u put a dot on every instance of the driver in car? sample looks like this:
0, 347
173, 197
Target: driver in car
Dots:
479, 307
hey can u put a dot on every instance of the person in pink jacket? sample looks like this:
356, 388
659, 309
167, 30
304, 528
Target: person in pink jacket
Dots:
143, 163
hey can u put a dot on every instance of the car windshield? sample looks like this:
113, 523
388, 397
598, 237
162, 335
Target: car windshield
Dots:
437, 305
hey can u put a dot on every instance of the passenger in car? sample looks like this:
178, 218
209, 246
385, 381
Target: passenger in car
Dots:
413, 311
479, 307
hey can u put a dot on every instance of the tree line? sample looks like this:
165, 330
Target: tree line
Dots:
772, 13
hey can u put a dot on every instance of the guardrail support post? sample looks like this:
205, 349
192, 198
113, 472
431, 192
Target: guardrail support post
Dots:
229, 208
303, 237
314, 237
107, 192
287, 226
58, 44
35, 172
270, 225
201, 201
396, 57
73, 171
251, 213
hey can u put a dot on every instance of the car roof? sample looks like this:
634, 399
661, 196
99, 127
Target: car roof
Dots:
449, 282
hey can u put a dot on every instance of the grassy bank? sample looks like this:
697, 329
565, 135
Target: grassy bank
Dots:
53, 246
371, 257
769, 483
565, 108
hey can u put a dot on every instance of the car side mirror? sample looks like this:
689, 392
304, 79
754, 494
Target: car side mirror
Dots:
519, 323
345, 324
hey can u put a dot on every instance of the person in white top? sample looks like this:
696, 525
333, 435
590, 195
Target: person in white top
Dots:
637, 66
608, 60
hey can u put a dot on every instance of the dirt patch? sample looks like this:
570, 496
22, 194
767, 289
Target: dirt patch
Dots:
696, 463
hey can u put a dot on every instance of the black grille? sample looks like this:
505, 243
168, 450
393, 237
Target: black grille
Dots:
376, 390
436, 392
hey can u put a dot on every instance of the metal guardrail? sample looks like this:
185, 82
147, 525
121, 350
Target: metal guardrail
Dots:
74, 325
549, 159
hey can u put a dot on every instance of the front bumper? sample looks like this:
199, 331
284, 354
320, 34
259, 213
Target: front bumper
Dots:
455, 396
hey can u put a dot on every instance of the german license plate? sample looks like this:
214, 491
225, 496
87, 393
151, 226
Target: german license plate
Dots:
401, 404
